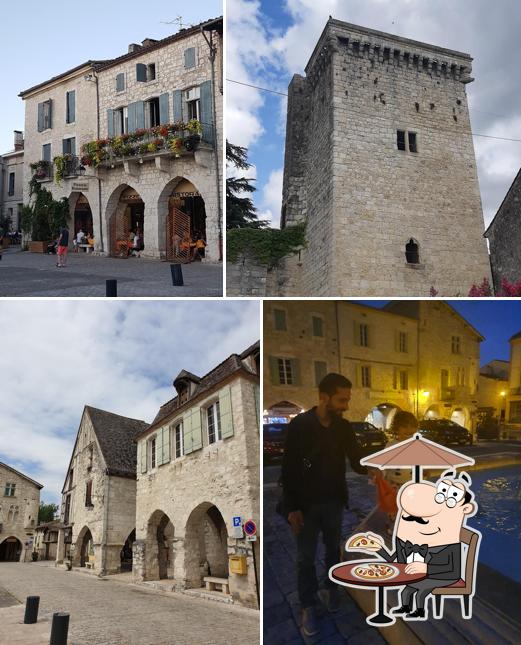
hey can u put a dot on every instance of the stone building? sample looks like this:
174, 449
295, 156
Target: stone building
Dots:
46, 540
11, 190
19, 507
493, 389
504, 237
420, 356
380, 165
134, 143
513, 403
99, 494
198, 469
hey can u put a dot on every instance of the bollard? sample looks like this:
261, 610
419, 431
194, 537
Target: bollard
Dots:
177, 275
111, 288
31, 610
59, 629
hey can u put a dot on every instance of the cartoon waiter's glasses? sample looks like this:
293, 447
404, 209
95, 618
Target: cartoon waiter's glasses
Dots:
451, 495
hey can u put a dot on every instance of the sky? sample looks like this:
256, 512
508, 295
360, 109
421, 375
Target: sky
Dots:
496, 320
270, 40
41, 40
120, 356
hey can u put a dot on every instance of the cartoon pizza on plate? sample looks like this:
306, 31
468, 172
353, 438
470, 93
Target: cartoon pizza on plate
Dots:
364, 542
374, 571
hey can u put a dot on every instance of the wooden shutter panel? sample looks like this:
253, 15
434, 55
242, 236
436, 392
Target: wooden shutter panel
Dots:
197, 431
225, 409
71, 107
73, 145
164, 108
178, 105
120, 82
187, 432
144, 445
190, 58
274, 370
110, 122
50, 113
64, 146
295, 369
207, 112
159, 447
138, 459
140, 115
40, 117
141, 72
166, 445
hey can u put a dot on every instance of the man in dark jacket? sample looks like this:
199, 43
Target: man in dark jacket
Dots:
314, 487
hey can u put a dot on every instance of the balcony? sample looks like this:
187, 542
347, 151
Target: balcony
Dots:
62, 168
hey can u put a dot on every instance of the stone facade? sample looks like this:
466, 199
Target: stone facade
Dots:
12, 178
46, 540
99, 499
419, 356
363, 197
19, 505
504, 237
513, 403
194, 480
101, 198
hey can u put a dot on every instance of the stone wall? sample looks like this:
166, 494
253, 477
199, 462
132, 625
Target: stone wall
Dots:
13, 162
246, 278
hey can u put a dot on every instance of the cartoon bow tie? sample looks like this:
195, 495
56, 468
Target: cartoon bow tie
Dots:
409, 548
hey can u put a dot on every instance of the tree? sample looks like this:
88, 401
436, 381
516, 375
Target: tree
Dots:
47, 512
240, 211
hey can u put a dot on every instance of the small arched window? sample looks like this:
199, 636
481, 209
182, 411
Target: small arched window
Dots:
412, 252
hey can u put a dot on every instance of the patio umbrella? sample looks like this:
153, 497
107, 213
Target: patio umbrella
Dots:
414, 453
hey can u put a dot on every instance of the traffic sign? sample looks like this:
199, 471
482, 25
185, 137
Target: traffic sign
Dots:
237, 520
250, 528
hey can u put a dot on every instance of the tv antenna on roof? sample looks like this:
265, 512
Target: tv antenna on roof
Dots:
178, 20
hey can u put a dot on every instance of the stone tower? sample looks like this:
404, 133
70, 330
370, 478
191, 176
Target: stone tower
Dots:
380, 164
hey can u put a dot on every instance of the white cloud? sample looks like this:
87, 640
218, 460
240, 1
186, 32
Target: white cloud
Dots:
121, 357
272, 198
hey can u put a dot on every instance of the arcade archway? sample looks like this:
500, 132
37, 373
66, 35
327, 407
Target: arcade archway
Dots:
185, 222
10, 550
127, 220
126, 552
159, 547
381, 416
206, 545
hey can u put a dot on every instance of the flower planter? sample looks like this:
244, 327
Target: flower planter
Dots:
38, 247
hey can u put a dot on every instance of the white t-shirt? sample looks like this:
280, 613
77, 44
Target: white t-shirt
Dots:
79, 237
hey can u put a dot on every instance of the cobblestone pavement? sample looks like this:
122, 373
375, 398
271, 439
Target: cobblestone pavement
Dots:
35, 274
281, 606
106, 612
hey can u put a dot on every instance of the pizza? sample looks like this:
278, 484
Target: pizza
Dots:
363, 542
374, 571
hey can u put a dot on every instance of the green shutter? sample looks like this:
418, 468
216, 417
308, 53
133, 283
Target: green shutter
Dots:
274, 370
166, 445
164, 109
110, 122
40, 117
225, 409
207, 112
178, 105
138, 458
197, 431
159, 447
190, 58
140, 115
295, 370
144, 445
141, 72
187, 433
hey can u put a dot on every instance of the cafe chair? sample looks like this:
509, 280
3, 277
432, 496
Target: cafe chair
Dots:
463, 587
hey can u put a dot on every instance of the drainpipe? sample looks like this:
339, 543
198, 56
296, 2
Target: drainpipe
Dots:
105, 523
213, 51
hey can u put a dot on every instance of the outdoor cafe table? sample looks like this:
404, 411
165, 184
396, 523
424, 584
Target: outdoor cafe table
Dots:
343, 573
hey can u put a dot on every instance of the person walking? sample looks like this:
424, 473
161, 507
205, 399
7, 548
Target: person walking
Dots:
63, 246
315, 490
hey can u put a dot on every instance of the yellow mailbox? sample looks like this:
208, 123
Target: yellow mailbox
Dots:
238, 564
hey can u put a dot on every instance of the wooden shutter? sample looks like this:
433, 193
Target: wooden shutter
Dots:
141, 72
166, 445
40, 117
73, 145
274, 370
50, 113
159, 447
120, 82
190, 58
295, 370
178, 105
110, 122
140, 115
71, 106
197, 431
207, 112
187, 433
225, 409
138, 460
164, 108
144, 445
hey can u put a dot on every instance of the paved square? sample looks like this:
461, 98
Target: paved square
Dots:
34, 274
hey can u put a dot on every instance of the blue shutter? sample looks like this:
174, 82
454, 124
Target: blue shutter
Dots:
64, 146
190, 58
141, 72
207, 112
164, 108
120, 82
40, 117
71, 107
50, 113
110, 122
140, 114
131, 114
72, 145
178, 105
46, 152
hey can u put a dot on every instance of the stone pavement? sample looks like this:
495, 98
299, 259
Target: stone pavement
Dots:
34, 274
109, 612
281, 606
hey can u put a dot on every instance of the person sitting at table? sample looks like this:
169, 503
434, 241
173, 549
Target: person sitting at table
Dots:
185, 245
137, 245
200, 245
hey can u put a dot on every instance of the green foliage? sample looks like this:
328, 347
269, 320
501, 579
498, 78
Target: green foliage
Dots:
240, 211
267, 246
47, 512
46, 216
5, 224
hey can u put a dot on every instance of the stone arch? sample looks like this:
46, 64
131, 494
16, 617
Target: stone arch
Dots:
84, 547
126, 552
381, 416
121, 217
461, 416
283, 409
433, 412
11, 549
159, 552
412, 251
205, 545
80, 213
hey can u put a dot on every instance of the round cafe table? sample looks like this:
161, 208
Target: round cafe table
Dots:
343, 573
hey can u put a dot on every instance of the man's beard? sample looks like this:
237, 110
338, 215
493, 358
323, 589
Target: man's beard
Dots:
334, 412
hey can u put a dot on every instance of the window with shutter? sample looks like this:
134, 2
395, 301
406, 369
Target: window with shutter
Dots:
40, 117
110, 123
213, 422
46, 152
190, 58
178, 105
120, 82
279, 316
141, 73
166, 446
70, 108
207, 112
318, 326
226, 413
178, 435
153, 455
159, 448
144, 462
197, 431
164, 109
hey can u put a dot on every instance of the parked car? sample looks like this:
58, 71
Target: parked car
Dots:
368, 437
274, 436
445, 431
488, 430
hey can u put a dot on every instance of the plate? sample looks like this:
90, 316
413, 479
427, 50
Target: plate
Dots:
393, 571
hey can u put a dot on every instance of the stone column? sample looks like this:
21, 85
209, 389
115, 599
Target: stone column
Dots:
60, 548
138, 560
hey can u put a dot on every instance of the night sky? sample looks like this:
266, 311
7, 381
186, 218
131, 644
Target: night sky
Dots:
496, 320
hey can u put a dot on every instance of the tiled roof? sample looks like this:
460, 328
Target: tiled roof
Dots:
116, 435
518, 335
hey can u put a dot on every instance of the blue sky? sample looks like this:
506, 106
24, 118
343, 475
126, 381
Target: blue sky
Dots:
269, 41
120, 356
94, 30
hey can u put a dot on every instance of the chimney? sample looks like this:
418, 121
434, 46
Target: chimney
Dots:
133, 47
18, 140
149, 41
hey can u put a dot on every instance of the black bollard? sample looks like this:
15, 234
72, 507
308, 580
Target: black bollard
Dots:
111, 288
177, 275
59, 629
31, 610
